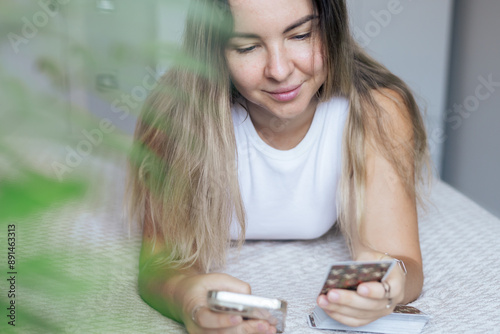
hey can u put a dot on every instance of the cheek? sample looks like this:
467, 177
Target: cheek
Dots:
319, 67
311, 60
244, 75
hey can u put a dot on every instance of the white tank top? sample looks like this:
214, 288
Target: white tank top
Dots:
290, 194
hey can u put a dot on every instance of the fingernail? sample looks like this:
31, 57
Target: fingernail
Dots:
235, 319
322, 302
333, 296
363, 290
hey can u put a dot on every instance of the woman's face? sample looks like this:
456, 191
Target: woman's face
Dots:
275, 55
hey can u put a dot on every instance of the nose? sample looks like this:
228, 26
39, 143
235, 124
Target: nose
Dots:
279, 64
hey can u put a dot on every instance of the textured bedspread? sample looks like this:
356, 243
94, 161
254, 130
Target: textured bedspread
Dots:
91, 244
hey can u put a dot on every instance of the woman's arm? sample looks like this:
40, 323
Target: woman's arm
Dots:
182, 294
158, 287
389, 226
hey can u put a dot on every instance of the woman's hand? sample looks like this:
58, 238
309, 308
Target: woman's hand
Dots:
369, 302
198, 318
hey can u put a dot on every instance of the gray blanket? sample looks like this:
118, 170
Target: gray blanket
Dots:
91, 245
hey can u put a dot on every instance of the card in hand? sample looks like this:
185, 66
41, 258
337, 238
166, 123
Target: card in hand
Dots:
348, 275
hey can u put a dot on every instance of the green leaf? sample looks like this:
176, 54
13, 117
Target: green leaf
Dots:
30, 193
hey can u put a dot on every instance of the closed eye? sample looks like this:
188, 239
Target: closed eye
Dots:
245, 50
302, 37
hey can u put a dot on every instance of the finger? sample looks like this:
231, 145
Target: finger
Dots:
351, 321
376, 290
206, 318
255, 327
352, 312
228, 283
246, 327
337, 299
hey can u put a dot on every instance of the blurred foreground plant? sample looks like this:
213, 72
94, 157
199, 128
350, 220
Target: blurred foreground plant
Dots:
36, 126
46, 66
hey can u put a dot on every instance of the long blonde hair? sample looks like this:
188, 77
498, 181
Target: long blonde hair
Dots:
183, 180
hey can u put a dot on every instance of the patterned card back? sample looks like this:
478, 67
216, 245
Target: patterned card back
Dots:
351, 274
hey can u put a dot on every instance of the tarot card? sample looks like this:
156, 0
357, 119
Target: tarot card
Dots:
249, 307
348, 275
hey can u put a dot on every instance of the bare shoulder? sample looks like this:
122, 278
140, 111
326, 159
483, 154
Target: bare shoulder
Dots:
392, 103
393, 115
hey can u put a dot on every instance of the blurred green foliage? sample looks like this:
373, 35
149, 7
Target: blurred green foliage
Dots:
50, 51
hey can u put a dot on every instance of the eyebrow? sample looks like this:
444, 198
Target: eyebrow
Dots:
294, 25
300, 22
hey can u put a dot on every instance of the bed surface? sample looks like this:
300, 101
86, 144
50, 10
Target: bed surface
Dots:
90, 243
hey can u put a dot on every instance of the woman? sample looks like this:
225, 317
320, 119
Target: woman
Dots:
281, 86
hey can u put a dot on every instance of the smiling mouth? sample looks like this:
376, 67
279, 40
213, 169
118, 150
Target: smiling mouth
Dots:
285, 94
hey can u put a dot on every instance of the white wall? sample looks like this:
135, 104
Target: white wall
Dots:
412, 38
171, 17
109, 76
413, 42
